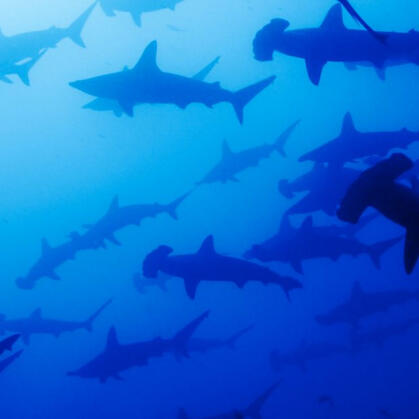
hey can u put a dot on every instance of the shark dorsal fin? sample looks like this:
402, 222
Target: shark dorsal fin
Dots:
148, 62
46, 248
356, 290
112, 341
114, 204
307, 223
207, 246
226, 149
348, 126
334, 19
36, 314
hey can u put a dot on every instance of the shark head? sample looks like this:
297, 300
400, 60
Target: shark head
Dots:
267, 37
24, 283
153, 262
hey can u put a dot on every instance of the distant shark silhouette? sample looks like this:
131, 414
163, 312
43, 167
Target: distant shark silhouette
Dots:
203, 345
101, 104
208, 265
19, 47
37, 324
352, 145
251, 411
293, 246
377, 336
362, 304
232, 163
333, 42
118, 357
135, 7
9, 360
146, 83
377, 188
7, 344
97, 235
305, 353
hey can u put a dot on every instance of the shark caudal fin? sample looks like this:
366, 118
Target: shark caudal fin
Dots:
171, 208
89, 322
378, 249
74, 30
244, 96
22, 70
202, 74
283, 138
254, 409
411, 249
232, 340
181, 340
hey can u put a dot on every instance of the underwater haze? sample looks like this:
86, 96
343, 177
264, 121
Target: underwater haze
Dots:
179, 180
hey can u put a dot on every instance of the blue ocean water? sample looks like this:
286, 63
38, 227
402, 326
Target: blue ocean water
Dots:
61, 166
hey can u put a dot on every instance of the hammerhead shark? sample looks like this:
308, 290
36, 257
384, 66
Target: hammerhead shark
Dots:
118, 357
353, 145
295, 245
362, 304
147, 83
333, 42
96, 236
101, 104
208, 265
36, 323
377, 188
7, 344
16, 48
253, 410
232, 163
136, 8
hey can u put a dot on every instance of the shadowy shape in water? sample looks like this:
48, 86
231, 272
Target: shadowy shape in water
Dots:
7, 344
9, 360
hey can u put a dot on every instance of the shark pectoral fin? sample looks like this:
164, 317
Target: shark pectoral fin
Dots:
296, 265
191, 286
54, 276
6, 79
381, 73
136, 17
314, 70
107, 10
127, 107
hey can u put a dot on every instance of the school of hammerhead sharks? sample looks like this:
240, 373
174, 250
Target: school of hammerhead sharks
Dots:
387, 183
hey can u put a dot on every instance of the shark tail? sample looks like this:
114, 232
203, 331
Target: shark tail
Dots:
89, 322
171, 208
254, 409
231, 342
181, 339
22, 70
283, 138
74, 30
244, 96
378, 249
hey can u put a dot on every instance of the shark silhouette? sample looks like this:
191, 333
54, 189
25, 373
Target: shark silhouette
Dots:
208, 265
147, 83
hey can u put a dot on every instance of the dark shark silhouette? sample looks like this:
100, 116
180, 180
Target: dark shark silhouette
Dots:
333, 42
232, 163
101, 104
352, 145
20, 47
96, 236
37, 324
208, 265
136, 8
146, 83
362, 304
203, 345
377, 336
305, 353
377, 188
253, 410
9, 360
293, 246
7, 344
118, 357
